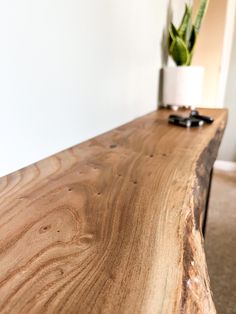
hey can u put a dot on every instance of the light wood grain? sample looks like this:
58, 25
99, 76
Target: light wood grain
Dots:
111, 225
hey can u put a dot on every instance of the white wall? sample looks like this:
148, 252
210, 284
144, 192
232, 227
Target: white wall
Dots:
209, 49
213, 49
228, 147
72, 69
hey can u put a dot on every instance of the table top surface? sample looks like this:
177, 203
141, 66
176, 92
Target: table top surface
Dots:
111, 225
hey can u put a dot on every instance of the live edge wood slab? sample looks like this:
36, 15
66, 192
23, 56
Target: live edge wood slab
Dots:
112, 225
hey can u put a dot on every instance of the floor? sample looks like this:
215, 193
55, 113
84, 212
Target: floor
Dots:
221, 241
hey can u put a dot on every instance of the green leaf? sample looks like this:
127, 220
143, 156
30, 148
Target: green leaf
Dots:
186, 20
182, 41
192, 39
200, 15
188, 31
192, 43
173, 33
179, 51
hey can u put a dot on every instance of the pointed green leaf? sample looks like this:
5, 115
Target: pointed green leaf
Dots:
193, 39
192, 43
185, 21
200, 15
173, 33
188, 31
179, 51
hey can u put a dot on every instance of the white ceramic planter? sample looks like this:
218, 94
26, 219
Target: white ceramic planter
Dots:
182, 86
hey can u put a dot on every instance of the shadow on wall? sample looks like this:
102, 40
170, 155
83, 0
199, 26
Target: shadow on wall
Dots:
164, 53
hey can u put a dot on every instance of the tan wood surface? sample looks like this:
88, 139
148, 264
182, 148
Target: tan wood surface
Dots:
111, 225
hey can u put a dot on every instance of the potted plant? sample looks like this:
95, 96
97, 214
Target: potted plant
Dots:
182, 83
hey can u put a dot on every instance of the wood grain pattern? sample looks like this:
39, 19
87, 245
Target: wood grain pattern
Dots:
111, 225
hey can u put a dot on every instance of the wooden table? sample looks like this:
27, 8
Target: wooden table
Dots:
112, 225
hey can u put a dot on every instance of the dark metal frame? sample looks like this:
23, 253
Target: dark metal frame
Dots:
207, 205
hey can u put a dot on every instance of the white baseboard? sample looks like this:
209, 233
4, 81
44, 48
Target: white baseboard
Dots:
225, 165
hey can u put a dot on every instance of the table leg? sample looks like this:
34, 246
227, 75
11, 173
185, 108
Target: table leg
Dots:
207, 205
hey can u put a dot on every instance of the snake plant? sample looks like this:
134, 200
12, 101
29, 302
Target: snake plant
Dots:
182, 40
